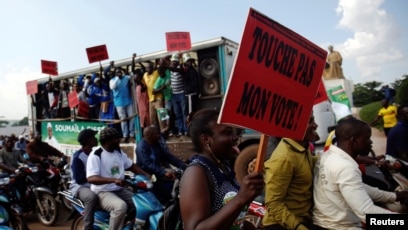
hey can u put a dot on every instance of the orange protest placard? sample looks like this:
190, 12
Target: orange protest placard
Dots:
49, 67
274, 80
97, 53
73, 99
321, 94
177, 41
31, 87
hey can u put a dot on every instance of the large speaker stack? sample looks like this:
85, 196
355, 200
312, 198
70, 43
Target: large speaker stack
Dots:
209, 72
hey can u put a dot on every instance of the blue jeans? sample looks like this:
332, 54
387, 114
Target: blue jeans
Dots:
128, 126
179, 107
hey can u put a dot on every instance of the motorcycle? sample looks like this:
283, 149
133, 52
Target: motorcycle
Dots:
65, 175
256, 211
11, 215
149, 209
41, 189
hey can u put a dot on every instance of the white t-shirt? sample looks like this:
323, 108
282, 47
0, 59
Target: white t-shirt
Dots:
109, 165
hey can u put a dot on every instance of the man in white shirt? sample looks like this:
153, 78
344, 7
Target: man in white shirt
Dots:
105, 170
341, 199
50, 139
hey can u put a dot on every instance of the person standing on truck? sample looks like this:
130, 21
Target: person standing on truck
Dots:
142, 98
162, 85
178, 98
190, 83
155, 100
389, 115
94, 92
63, 109
51, 95
122, 99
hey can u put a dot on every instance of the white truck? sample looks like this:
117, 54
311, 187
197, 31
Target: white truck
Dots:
214, 61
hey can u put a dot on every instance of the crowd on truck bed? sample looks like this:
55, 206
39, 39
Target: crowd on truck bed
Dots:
165, 90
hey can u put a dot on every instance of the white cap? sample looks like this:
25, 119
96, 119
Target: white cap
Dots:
175, 57
49, 125
186, 57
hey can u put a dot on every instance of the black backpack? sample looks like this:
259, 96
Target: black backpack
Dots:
171, 218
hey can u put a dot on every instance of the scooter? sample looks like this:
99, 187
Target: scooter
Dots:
149, 209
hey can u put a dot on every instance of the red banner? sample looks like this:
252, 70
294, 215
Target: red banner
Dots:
177, 41
31, 87
274, 81
49, 67
321, 94
97, 53
73, 99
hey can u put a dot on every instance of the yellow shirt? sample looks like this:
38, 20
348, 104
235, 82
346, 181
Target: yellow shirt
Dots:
149, 80
389, 116
288, 185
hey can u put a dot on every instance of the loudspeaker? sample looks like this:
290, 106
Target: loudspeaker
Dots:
209, 70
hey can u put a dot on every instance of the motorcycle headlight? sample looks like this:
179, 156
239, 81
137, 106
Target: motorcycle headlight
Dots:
34, 169
4, 180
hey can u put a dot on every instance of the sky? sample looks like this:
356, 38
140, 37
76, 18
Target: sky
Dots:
371, 35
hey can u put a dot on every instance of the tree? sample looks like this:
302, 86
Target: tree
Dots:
402, 91
22, 122
3, 123
366, 93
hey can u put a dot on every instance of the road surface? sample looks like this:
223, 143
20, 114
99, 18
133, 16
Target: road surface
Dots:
61, 224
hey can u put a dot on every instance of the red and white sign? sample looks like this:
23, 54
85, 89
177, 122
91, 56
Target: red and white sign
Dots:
274, 80
321, 94
177, 41
97, 53
73, 99
31, 87
49, 67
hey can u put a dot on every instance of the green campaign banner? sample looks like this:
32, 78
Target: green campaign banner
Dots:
340, 102
63, 135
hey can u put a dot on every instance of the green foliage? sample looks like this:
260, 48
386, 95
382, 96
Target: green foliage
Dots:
22, 122
366, 93
3, 123
402, 91
369, 112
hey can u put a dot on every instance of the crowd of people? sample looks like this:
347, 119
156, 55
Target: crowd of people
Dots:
302, 190
166, 90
